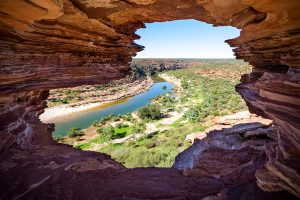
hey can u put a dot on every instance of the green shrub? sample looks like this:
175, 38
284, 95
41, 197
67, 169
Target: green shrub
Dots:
150, 144
164, 87
139, 157
167, 100
104, 119
128, 117
118, 135
100, 87
99, 130
65, 101
184, 85
115, 118
59, 101
193, 113
139, 128
95, 123
150, 112
107, 131
74, 132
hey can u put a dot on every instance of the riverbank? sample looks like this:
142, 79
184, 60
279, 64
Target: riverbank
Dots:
192, 108
170, 79
164, 124
95, 99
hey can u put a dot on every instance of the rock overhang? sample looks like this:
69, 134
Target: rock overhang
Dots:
53, 44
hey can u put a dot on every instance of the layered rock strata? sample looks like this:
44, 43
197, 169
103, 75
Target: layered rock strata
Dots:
247, 137
53, 44
276, 96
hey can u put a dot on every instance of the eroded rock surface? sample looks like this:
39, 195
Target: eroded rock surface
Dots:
227, 149
232, 154
242, 122
52, 44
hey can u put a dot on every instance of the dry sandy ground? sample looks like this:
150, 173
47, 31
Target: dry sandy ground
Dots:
162, 125
57, 113
171, 79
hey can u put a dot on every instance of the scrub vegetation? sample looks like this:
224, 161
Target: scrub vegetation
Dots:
156, 133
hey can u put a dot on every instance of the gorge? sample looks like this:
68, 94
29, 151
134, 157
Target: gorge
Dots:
62, 43
121, 107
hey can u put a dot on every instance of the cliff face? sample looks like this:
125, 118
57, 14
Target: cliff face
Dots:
53, 44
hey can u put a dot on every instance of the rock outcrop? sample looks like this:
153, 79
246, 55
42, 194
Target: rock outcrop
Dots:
53, 44
235, 123
227, 149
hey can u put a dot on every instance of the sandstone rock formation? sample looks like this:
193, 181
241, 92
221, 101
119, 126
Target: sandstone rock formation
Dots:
227, 154
242, 122
60, 43
210, 155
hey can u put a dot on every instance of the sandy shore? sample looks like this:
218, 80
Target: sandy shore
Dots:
51, 115
171, 79
67, 111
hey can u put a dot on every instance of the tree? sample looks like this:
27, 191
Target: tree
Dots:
108, 131
150, 112
184, 85
74, 132
118, 135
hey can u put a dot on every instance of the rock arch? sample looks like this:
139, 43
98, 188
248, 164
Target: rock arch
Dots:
61, 43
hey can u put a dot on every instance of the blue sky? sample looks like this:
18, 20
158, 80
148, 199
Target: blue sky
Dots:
185, 39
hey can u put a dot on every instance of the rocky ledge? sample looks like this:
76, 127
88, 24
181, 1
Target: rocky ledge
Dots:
220, 166
53, 44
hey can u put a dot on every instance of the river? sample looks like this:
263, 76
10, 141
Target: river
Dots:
84, 119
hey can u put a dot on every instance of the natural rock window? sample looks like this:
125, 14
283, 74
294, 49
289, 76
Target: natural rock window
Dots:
171, 102
55, 44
